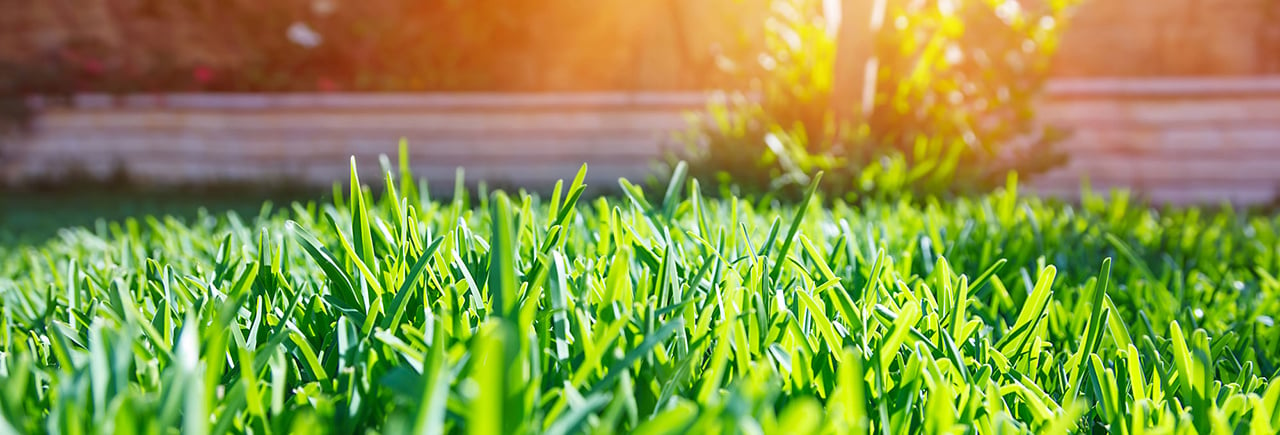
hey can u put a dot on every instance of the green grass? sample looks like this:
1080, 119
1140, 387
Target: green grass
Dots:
648, 313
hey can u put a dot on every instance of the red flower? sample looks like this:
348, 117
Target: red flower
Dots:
86, 63
202, 74
324, 84
93, 66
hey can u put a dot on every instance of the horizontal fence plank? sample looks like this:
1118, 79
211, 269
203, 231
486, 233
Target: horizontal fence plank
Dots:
239, 145
1256, 141
1118, 112
389, 121
1240, 195
1157, 87
1155, 171
1058, 88
385, 101
539, 176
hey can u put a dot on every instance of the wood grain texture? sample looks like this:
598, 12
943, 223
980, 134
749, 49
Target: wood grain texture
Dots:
1176, 140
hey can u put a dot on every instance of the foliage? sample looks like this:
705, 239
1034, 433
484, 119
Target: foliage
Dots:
953, 109
648, 314
389, 45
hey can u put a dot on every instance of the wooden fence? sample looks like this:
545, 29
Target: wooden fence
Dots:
1172, 140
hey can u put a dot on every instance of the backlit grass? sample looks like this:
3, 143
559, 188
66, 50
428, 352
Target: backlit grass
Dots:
649, 312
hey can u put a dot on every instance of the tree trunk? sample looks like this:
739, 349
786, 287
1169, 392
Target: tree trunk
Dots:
854, 75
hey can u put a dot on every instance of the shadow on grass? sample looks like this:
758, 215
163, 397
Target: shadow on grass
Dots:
34, 214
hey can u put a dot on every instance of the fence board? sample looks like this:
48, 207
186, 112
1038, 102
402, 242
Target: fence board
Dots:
1191, 140
331, 121
240, 145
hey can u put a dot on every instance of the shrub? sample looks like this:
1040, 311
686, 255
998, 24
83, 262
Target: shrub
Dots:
953, 110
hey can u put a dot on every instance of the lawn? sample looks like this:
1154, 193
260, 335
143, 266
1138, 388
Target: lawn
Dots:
657, 311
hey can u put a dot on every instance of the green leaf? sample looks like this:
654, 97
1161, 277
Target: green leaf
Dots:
795, 224
502, 283
339, 278
398, 304
360, 221
673, 190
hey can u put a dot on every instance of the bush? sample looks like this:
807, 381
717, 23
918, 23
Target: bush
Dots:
953, 110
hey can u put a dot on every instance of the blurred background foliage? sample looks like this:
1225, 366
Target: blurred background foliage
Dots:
386, 45
953, 110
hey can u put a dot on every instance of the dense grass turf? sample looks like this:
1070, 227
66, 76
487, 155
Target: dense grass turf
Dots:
655, 312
